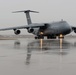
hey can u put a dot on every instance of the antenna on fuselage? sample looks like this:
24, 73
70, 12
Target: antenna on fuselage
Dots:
27, 15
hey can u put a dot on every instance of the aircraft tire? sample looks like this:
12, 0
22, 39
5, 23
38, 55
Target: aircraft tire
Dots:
39, 37
51, 37
36, 37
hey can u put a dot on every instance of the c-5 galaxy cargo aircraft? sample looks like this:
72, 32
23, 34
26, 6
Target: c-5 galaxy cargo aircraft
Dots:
50, 30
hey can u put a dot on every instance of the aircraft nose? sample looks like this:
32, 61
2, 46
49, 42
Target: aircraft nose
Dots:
68, 30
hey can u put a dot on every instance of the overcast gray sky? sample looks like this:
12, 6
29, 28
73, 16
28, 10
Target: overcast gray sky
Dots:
50, 10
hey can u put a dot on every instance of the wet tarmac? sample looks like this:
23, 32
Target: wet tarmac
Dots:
27, 56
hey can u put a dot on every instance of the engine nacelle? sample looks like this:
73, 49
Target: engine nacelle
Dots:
30, 30
17, 32
75, 30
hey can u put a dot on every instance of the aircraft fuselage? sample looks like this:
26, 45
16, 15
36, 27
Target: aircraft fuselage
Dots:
50, 30
55, 28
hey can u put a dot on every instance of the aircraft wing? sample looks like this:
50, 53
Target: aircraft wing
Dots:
23, 27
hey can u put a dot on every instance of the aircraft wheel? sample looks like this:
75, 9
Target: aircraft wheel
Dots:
36, 37
48, 37
51, 37
41, 37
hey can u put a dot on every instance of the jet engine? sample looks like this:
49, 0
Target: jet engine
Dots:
75, 30
17, 32
30, 30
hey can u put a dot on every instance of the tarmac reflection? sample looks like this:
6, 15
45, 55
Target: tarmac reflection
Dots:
57, 47
48, 44
17, 44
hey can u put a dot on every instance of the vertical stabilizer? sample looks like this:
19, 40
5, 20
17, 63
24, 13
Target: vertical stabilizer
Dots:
27, 12
28, 18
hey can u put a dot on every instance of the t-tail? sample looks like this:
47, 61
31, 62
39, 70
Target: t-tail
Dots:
27, 12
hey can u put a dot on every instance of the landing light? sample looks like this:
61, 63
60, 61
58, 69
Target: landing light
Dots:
61, 35
41, 32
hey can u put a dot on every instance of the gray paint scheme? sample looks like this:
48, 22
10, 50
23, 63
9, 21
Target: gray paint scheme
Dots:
48, 29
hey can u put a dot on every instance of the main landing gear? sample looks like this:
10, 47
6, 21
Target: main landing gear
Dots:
39, 37
51, 37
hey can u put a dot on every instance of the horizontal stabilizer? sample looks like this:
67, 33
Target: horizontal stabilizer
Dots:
27, 15
25, 11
